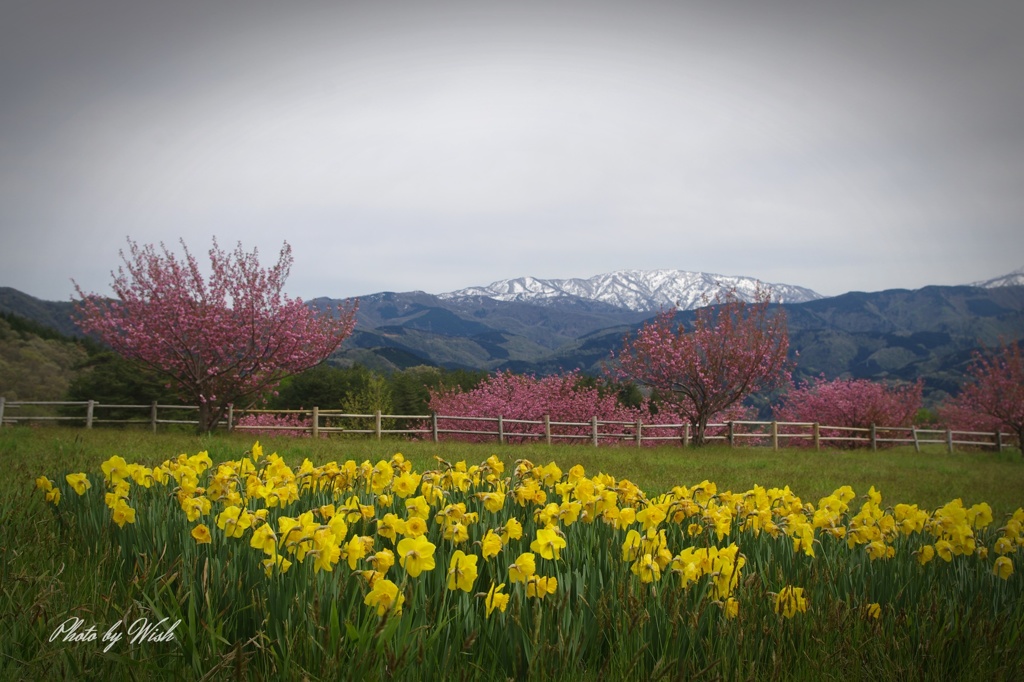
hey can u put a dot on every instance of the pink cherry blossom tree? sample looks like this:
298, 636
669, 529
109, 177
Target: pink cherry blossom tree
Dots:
734, 349
224, 339
521, 396
993, 395
856, 403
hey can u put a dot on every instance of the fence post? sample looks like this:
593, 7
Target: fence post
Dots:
732, 432
874, 438
593, 430
999, 440
433, 425
88, 414
775, 435
501, 430
231, 417
316, 422
686, 434
816, 436
547, 429
376, 423
917, 442
2, 401
639, 431
949, 440
152, 416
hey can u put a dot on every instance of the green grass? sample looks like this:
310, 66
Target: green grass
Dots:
45, 578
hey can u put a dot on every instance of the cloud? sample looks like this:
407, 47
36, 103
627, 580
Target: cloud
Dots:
436, 146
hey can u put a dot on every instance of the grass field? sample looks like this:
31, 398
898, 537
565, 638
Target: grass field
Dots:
47, 579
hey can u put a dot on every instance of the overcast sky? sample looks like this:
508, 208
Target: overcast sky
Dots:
437, 145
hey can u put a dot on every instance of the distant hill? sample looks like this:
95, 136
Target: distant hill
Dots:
54, 314
896, 334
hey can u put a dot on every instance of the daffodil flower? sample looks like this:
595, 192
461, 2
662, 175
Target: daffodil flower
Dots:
790, 601
462, 571
201, 534
78, 482
385, 597
523, 568
496, 599
416, 555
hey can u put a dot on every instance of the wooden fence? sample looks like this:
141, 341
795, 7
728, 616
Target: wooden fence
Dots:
320, 423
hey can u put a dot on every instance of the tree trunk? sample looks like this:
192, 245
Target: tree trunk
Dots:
700, 427
208, 418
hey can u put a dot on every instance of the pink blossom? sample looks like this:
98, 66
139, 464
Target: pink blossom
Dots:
226, 339
993, 396
734, 349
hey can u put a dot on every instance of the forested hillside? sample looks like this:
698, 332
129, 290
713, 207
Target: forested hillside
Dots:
36, 363
903, 335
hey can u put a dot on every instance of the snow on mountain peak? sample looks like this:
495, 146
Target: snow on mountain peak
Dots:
1013, 279
639, 290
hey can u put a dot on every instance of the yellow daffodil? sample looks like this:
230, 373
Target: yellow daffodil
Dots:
462, 571
493, 501
385, 597
416, 555
201, 534
78, 482
541, 586
194, 507
405, 485
354, 551
382, 560
496, 599
279, 561
979, 516
647, 569
123, 514
790, 601
1003, 567
651, 516
264, 538
115, 469
873, 611
631, 545
523, 568
512, 530
418, 506
490, 545
415, 527
548, 543
1004, 545
234, 521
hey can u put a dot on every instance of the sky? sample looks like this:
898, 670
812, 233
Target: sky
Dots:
436, 145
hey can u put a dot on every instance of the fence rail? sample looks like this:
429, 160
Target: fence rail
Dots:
319, 423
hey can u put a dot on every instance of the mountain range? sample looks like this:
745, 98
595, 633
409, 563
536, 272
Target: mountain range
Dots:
545, 326
637, 290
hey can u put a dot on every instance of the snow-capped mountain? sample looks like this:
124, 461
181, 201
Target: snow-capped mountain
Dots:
1013, 279
638, 290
